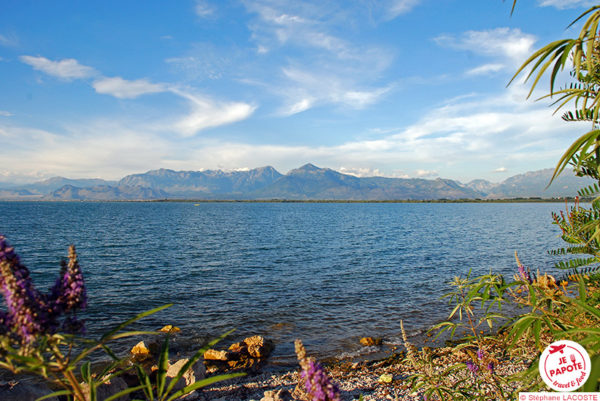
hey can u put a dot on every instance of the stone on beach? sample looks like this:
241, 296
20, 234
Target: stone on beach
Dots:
370, 341
247, 354
140, 352
215, 355
191, 376
169, 328
258, 347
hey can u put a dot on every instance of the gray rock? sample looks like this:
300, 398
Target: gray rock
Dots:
195, 373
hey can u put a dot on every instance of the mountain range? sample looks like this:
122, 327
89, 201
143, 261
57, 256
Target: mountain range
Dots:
308, 182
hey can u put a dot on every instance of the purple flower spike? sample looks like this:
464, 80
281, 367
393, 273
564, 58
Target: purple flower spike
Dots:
480, 353
524, 273
68, 293
490, 367
318, 385
472, 367
26, 315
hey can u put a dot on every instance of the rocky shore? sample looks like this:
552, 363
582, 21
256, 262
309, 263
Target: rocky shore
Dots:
383, 379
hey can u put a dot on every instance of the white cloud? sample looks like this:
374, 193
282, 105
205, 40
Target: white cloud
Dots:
398, 7
67, 69
449, 140
426, 173
306, 89
95, 149
485, 69
124, 89
4, 113
299, 106
281, 24
203, 8
324, 68
510, 47
206, 113
366, 172
501, 170
562, 4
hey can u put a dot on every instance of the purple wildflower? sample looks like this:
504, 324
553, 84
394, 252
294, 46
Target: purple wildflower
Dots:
480, 353
524, 273
26, 315
318, 385
472, 367
68, 293
490, 367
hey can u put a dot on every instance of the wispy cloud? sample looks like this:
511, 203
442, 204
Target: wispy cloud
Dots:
206, 113
326, 69
486, 69
307, 89
398, 7
501, 170
8, 40
124, 89
67, 69
563, 4
203, 8
4, 113
508, 47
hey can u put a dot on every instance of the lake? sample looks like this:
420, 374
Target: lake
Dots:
328, 273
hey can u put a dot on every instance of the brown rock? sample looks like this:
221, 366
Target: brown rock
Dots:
259, 347
214, 355
170, 329
246, 355
140, 349
240, 348
245, 363
370, 341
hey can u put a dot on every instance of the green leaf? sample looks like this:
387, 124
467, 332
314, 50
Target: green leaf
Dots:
163, 366
588, 308
145, 382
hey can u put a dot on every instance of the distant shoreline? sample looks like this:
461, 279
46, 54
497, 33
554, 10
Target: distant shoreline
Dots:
511, 200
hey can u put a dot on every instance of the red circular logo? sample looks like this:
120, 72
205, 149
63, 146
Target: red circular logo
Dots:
565, 365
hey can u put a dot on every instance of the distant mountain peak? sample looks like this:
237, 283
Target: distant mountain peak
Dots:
308, 167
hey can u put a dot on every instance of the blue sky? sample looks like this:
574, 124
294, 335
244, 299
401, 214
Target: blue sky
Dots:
400, 88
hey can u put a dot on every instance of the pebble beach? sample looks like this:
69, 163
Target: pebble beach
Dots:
384, 379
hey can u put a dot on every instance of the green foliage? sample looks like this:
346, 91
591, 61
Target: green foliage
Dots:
476, 303
546, 311
52, 357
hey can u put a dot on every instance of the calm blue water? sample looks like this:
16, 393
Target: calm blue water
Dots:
326, 273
